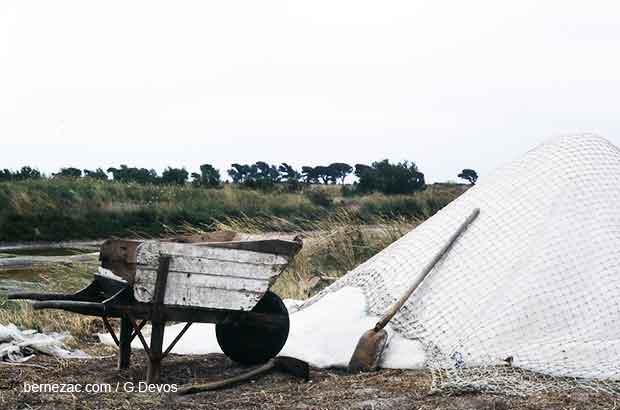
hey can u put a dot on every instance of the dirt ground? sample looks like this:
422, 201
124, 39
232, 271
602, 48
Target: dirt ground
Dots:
328, 389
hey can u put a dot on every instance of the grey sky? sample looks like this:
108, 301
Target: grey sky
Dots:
446, 84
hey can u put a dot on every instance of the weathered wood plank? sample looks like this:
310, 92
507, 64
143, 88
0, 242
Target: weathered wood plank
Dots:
203, 291
179, 282
205, 277
275, 246
201, 266
149, 251
217, 236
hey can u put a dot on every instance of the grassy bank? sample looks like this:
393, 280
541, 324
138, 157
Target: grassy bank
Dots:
64, 209
344, 231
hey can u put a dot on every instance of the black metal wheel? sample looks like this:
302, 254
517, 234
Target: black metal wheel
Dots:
250, 344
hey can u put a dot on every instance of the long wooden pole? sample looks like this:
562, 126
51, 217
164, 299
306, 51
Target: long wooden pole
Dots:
427, 269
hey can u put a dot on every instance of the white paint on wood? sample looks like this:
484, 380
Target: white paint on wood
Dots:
149, 252
204, 291
221, 268
207, 277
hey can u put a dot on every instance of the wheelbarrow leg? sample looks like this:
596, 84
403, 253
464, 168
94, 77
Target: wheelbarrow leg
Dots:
158, 323
124, 355
157, 340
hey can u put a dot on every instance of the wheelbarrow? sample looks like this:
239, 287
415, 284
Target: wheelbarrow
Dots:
226, 283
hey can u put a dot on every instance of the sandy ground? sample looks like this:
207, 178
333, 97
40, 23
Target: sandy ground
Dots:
328, 389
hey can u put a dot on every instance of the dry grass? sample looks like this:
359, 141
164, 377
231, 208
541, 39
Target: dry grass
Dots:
22, 315
332, 247
59, 278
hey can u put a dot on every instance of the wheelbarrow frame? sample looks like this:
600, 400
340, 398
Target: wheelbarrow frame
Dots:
110, 297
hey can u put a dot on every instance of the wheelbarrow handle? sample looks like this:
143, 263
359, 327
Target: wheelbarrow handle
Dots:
90, 293
84, 308
45, 296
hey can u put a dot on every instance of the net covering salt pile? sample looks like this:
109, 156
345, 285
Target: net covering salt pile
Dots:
535, 280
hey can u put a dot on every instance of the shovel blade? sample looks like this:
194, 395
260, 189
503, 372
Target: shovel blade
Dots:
368, 351
292, 366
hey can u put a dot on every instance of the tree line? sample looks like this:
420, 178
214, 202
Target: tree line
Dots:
381, 176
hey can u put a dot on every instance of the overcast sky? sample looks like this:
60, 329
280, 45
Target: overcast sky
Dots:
445, 84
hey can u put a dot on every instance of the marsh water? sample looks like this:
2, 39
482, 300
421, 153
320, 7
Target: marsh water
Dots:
20, 280
51, 251
37, 268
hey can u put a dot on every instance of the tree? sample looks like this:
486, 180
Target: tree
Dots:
139, 175
116, 173
6, 175
367, 178
264, 172
97, 174
323, 174
69, 172
208, 177
469, 175
174, 176
239, 173
27, 173
332, 173
148, 176
259, 175
339, 170
288, 173
309, 175
263, 175
401, 178
290, 177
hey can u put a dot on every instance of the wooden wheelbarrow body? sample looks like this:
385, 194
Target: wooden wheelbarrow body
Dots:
156, 281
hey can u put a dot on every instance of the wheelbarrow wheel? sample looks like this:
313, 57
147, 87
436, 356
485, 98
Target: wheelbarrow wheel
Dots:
250, 344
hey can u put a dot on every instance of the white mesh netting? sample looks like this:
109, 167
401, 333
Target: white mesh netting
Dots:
536, 278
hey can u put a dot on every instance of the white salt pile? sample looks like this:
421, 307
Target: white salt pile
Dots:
536, 278
324, 334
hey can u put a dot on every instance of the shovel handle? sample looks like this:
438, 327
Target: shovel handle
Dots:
429, 267
199, 388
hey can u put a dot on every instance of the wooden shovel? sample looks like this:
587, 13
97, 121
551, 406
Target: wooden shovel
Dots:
370, 347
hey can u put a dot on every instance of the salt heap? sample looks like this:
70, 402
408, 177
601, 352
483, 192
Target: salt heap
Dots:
535, 278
